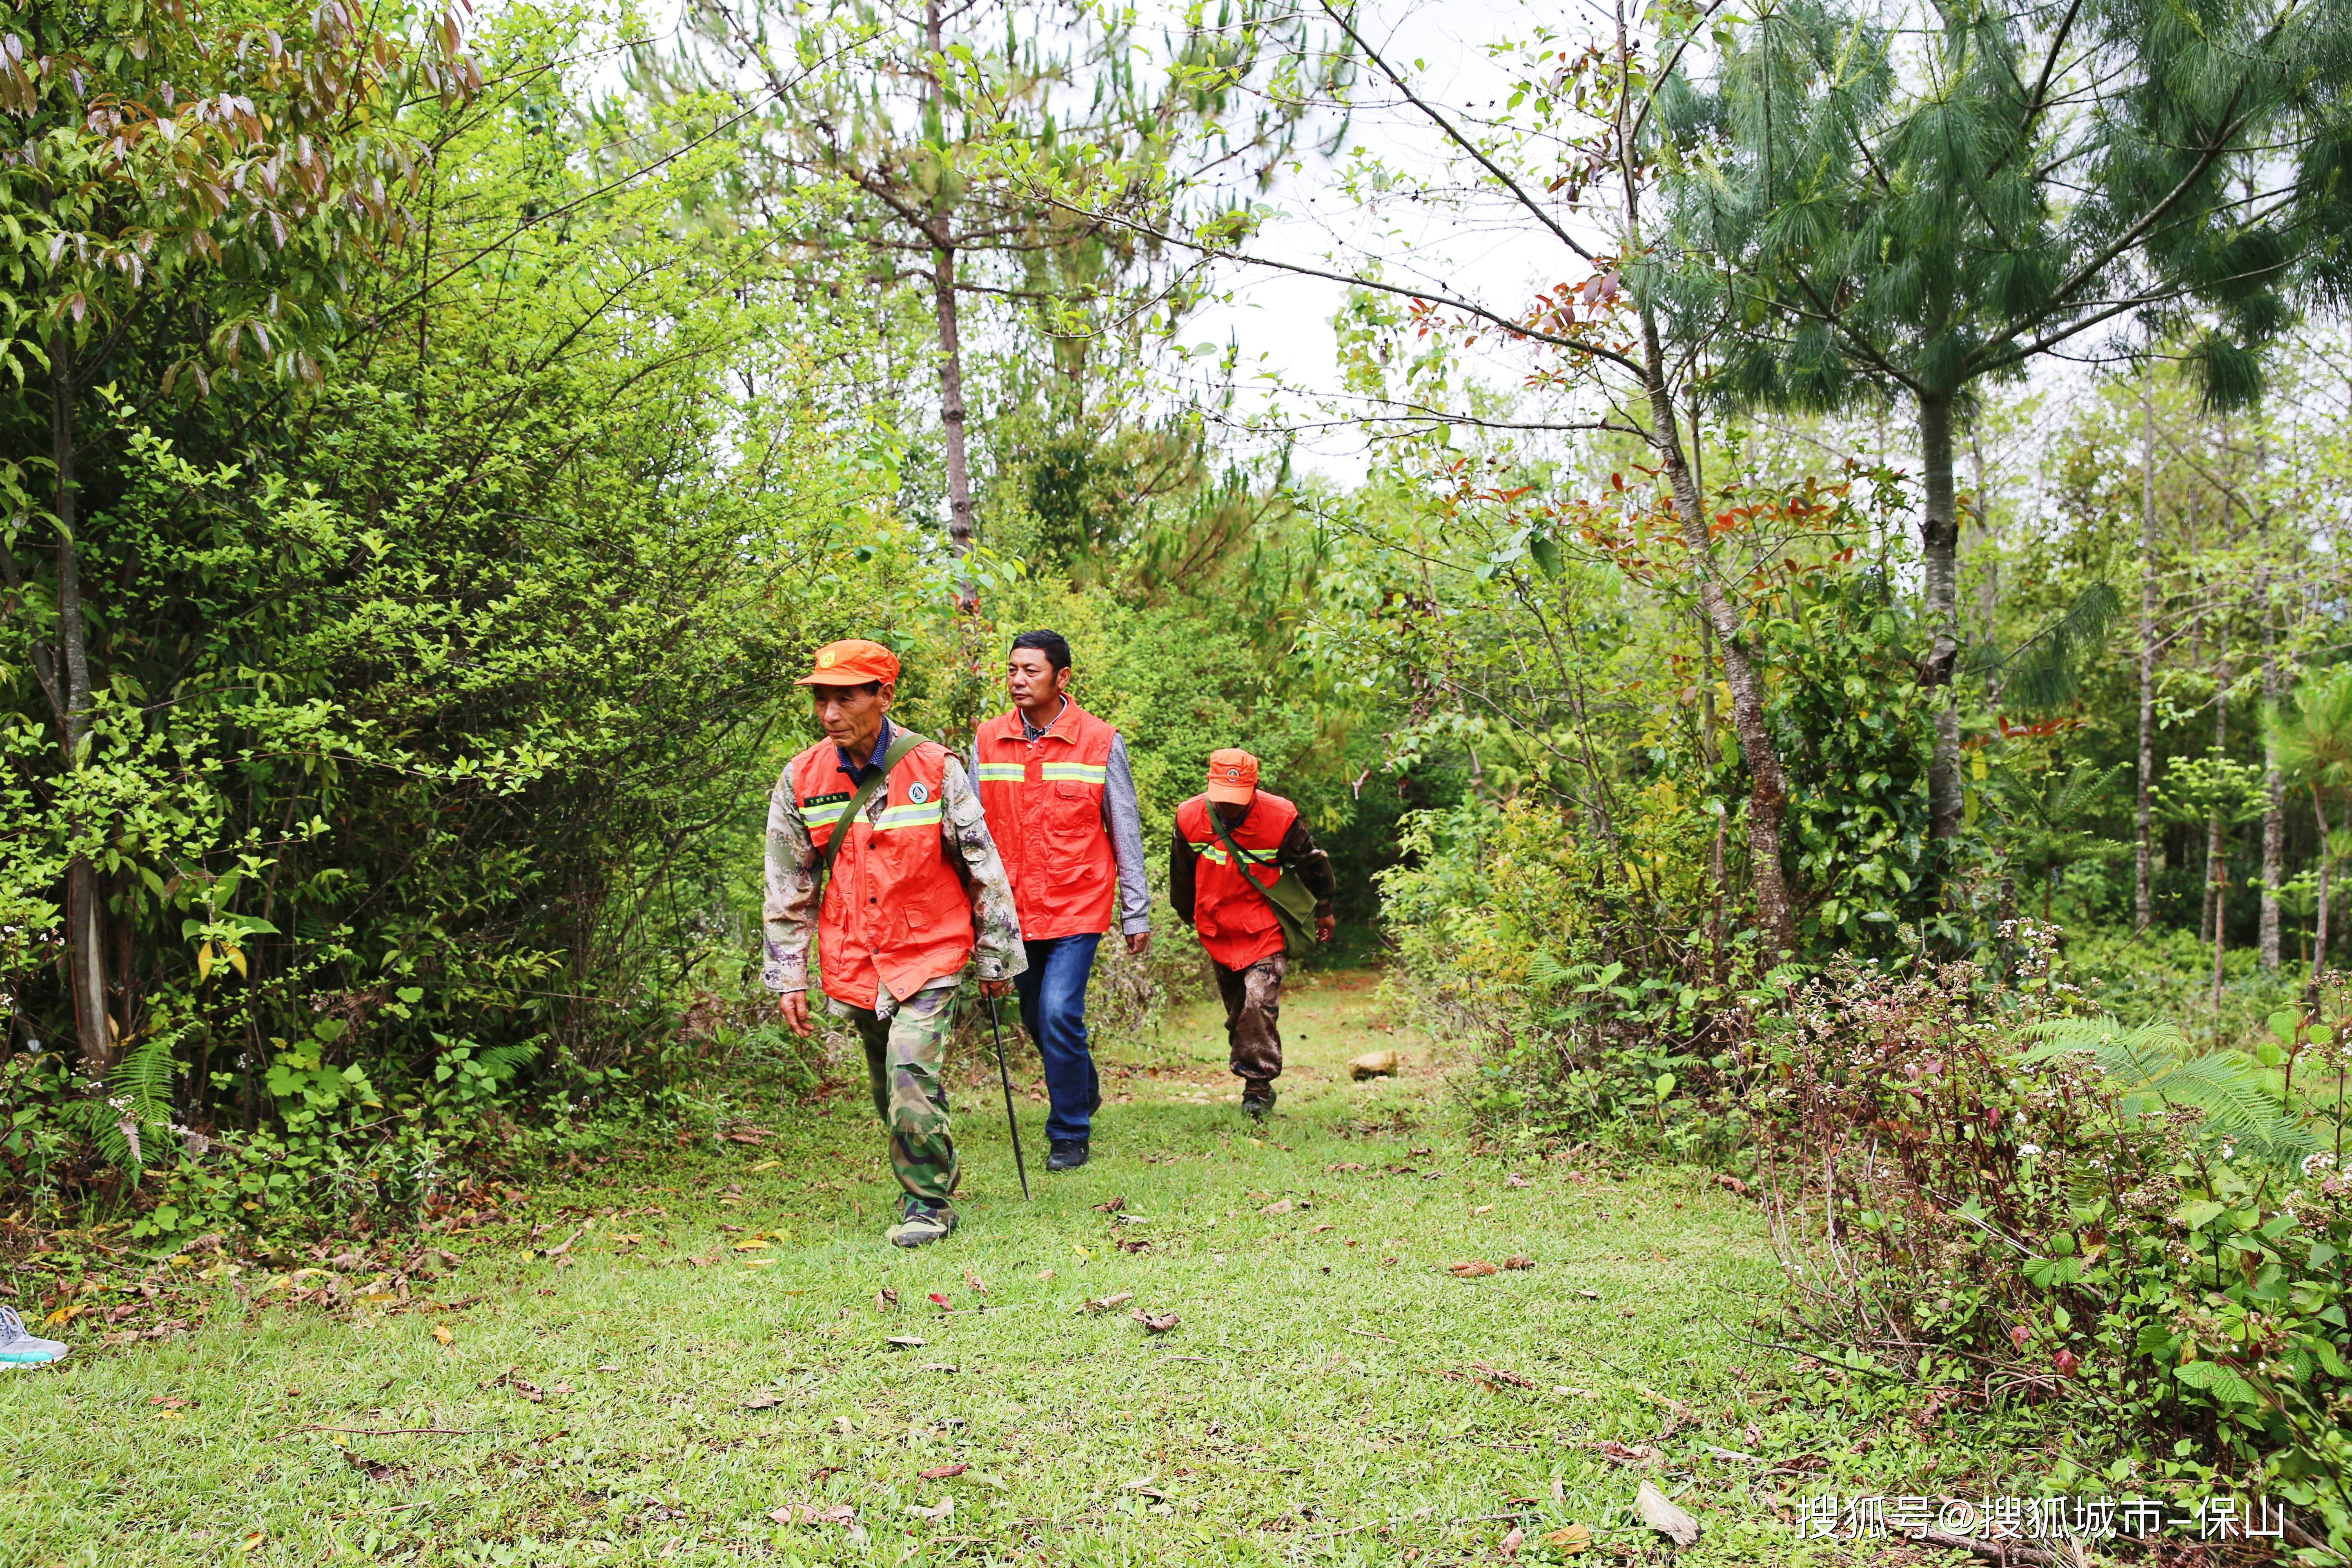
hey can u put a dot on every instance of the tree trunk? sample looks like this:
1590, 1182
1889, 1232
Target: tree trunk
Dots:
84, 900
2274, 790
1939, 543
2144, 855
1767, 795
2217, 869
1987, 559
2319, 936
943, 306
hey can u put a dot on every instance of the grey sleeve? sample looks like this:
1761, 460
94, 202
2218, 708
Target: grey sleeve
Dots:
788, 912
1123, 820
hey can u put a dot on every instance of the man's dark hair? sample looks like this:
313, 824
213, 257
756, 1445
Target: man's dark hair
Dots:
1053, 645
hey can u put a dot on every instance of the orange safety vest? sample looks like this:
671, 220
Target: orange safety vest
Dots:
1235, 922
895, 913
1044, 806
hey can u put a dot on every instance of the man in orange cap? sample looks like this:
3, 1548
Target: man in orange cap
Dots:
1225, 903
1062, 808
885, 824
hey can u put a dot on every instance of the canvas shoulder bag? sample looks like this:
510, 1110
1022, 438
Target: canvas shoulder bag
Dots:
1293, 905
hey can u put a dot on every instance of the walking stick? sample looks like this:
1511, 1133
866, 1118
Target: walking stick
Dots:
1011, 1121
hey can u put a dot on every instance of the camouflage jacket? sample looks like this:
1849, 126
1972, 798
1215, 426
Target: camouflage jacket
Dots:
789, 919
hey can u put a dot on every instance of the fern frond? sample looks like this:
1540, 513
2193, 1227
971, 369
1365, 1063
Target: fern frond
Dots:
1548, 972
2156, 1064
501, 1063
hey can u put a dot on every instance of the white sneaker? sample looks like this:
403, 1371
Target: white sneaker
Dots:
18, 1348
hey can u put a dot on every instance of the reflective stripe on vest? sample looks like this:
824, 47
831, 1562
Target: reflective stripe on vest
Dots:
1232, 917
1044, 805
895, 913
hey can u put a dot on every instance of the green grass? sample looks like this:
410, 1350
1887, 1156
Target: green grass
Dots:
1323, 1399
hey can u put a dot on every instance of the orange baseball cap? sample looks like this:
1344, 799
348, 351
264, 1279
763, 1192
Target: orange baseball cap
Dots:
1232, 776
851, 663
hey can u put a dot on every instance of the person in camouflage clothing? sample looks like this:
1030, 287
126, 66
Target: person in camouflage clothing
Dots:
914, 894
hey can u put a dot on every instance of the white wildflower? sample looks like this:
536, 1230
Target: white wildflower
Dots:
2030, 1149
2314, 1164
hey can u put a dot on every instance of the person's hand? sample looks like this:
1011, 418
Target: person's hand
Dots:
1325, 925
793, 1005
994, 988
1137, 940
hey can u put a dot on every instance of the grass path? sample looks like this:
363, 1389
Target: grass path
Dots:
1331, 1394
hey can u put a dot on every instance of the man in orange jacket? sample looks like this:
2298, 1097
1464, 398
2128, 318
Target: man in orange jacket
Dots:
1222, 903
915, 893
1061, 809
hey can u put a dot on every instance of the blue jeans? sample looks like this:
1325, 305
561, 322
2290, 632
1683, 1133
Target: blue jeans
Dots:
1053, 1010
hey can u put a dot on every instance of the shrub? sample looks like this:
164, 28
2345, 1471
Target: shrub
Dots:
2006, 1199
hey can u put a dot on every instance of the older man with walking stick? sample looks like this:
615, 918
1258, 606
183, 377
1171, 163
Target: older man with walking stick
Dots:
877, 840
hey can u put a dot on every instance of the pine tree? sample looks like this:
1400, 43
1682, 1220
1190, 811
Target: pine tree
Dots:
1007, 150
1907, 207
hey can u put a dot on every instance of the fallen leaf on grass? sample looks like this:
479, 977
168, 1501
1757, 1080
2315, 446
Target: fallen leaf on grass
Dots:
942, 1472
1374, 1064
1590, 1295
521, 1389
1570, 1539
252, 1543
1113, 1206
1475, 1269
840, 1513
1105, 1303
904, 1342
441, 1332
1499, 1374
942, 1511
1482, 1208
1618, 1453
974, 1281
940, 1302
764, 1165
757, 1244
766, 1399
1279, 1206
1513, 1179
947, 1366
1658, 1512
1045, 1274
1510, 1543
1155, 1323
1732, 1184
885, 1299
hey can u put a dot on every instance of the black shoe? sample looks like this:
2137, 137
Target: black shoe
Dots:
1068, 1154
1258, 1101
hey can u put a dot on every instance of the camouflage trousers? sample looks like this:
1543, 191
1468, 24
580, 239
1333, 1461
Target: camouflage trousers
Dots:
1253, 1016
905, 1054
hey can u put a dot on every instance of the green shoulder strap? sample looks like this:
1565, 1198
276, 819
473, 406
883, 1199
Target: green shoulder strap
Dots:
907, 742
1293, 905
